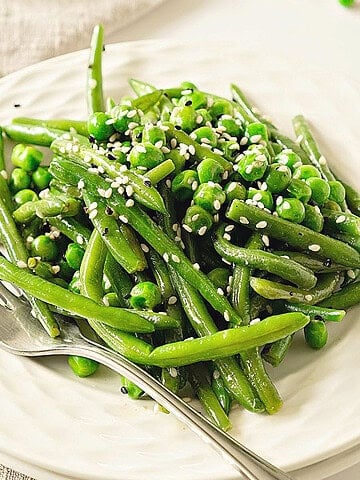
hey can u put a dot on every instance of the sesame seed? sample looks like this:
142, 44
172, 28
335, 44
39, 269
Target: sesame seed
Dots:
187, 228
262, 224
279, 200
164, 128
351, 274
173, 372
100, 169
172, 300
92, 206
129, 203
196, 266
232, 187
101, 192
314, 247
249, 169
340, 219
286, 205
217, 204
92, 83
255, 138
282, 168
255, 321
244, 141
216, 218
159, 144
297, 164
227, 237
265, 240
308, 298
173, 143
220, 291
140, 148
191, 149
202, 230
194, 185
106, 301
175, 226
80, 239
322, 160
188, 91
199, 119
225, 175
175, 258
93, 214
244, 220
165, 149
229, 228
81, 184
55, 269
166, 257
132, 125
129, 190
123, 219
131, 114
195, 217
29, 239
317, 209
44, 193
21, 264
144, 247
121, 190
257, 197
216, 374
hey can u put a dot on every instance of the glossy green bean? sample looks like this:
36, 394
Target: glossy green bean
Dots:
295, 235
120, 281
310, 261
275, 352
341, 222
34, 134
95, 99
352, 198
315, 312
63, 124
71, 228
347, 297
158, 173
46, 207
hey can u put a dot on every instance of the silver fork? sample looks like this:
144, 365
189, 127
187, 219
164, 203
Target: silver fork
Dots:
20, 334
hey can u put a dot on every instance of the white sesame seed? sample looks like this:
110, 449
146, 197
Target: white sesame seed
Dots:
44, 193
196, 266
317, 209
93, 214
255, 138
140, 148
205, 140
351, 274
244, 141
92, 83
186, 227
21, 264
322, 160
244, 220
199, 119
129, 190
282, 168
308, 298
55, 269
220, 291
191, 149
216, 218
164, 128
175, 258
265, 240
188, 91
249, 169
216, 374
131, 114
172, 300
285, 256
262, 224
202, 230
92, 206
159, 144
297, 164
165, 149
129, 203
314, 247
232, 187
132, 125
229, 228
257, 197
29, 239
286, 205
121, 190
81, 184
255, 321
340, 219
217, 205
100, 169
226, 316
173, 372
195, 217
80, 239
101, 192
279, 200
166, 257
227, 237
194, 185
173, 143
144, 247
123, 219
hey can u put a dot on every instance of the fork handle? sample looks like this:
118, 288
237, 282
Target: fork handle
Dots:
250, 465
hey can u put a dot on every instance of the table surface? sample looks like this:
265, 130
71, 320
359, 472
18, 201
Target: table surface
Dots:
320, 32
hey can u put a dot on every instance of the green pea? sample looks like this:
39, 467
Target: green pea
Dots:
74, 255
230, 125
210, 196
221, 107
337, 191
42, 246
204, 135
289, 158
23, 196
202, 117
66, 272
235, 190
145, 155
196, 99
306, 171
320, 189
74, 285
313, 218
41, 178
277, 178
100, 126
184, 117
331, 205
145, 295
209, 170
290, 209
184, 184
154, 135
198, 220
186, 85
19, 180
26, 157
299, 189
177, 159
263, 198
256, 132
316, 334
124, 115
81, 366
252, 165
220, 277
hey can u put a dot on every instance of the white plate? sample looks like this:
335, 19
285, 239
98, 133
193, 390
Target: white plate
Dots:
85, 428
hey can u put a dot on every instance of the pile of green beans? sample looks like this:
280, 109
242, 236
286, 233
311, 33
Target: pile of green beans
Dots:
187, 232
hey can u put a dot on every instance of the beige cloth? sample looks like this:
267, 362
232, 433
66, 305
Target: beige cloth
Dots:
33, 30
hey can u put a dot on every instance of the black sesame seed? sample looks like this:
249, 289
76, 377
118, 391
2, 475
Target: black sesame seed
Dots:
147, 182
103, 48
291, 294
105, 231
177, 127
327, 262
109, 211
188, 103
124, 390
92, 139
110, 156
17, 105
318, 317
90, 65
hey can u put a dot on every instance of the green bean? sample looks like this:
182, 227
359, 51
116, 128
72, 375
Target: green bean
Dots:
142, 192
353, 241
71, 228
119, 239
161, 274
218, 387
147, 101
204, 392
75, 304
95, 100
203, 324
308, 144
295, 235
161, 171
315, 312
287, 143
275, 352
310, 261
141, 88
352, 198
93, 262
228, 342
14, 245
120, 281
161, 320
81, 366
130, 388
347, 297
273, 290
200, 151
266, 261
341, 222
5, 195
64, 124
34, 134
50, 206
149, 230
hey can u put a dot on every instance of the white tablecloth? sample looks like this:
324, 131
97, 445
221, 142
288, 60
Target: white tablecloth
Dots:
320, 32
